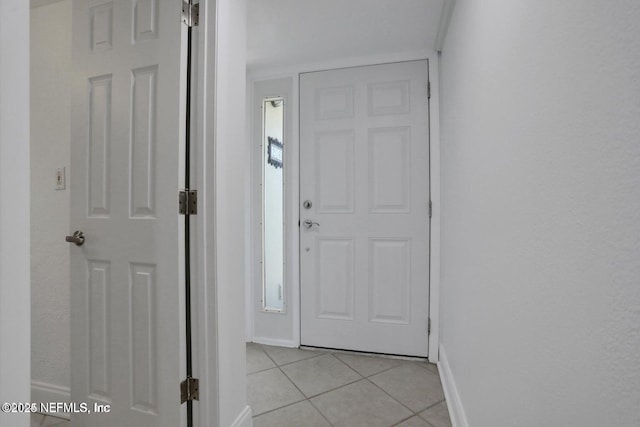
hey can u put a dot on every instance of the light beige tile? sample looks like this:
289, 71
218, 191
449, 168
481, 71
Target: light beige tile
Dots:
438, 415
296, 415
360, 405
50, 421
414, 422
257, 359
270, 389
285, 355
431, 367
415, 387
320, 374
368, 365
36, 419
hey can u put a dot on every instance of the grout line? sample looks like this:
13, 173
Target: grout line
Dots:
362, 377
336, 388
304, 395
324, 392
428, 423
261, 370
347, 365
306, 358
291, 381
265, 352
413, 416
403, 420
320, 412
285, 375
401, 362
268, 357
431, 406
384, 370
385, 392
279, 407
289, 363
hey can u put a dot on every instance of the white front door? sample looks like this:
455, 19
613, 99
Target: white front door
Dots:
125, 314
364, 239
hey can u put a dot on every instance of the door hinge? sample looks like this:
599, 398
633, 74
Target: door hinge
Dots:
188, 202
190, 14
430, 209
189, 390
428, 89
429, 326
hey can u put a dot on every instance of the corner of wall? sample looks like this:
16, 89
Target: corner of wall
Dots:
454, 402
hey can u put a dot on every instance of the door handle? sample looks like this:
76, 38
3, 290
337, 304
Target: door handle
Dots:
77, 238
308, 224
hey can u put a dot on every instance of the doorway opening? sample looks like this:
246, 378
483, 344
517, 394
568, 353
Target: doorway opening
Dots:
359, 209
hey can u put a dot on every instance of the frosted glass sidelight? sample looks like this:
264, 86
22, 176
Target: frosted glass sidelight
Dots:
273, 166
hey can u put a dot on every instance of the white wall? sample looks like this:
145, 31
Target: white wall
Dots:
541, 211
15, 313
50, 143
225, 192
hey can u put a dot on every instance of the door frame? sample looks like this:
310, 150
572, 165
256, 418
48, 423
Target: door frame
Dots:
293, 177
222, 52
15, 289
221, 166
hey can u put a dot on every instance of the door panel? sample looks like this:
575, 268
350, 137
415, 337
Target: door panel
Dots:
334, 186
364, 163
125, 317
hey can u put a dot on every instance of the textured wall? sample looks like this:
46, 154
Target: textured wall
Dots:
50, 121
541, 211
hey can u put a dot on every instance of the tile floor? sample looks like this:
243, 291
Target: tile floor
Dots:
303, 388
39, 420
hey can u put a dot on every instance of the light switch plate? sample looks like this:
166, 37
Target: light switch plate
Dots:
60, 179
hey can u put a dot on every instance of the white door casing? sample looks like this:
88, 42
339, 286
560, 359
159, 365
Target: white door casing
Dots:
125, 290
364, 165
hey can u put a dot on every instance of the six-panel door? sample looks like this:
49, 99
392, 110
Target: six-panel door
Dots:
364, 164
125, 314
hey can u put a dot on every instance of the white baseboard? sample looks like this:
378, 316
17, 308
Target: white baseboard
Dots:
245, 419
275, 342
45, 392
456, 410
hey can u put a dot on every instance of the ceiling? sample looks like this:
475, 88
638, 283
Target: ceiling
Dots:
288, 32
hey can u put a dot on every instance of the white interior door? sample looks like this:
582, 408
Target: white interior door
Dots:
364, 241
125, 314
